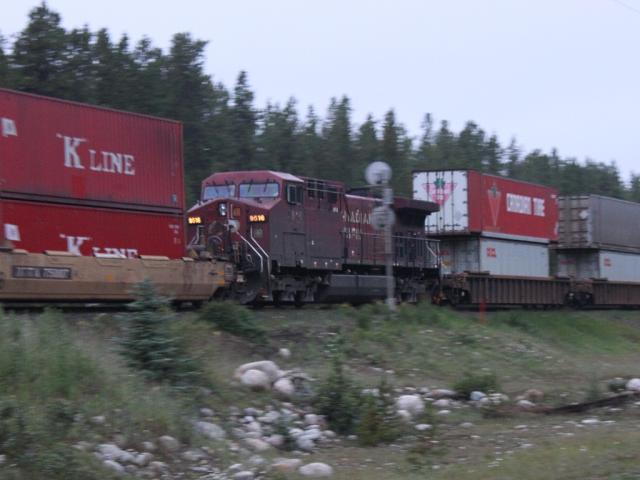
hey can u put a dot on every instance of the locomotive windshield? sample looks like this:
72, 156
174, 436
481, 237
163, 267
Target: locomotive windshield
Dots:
259, 190
218, 191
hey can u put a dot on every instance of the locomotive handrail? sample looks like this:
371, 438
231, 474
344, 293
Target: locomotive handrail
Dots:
252, 248
263, 251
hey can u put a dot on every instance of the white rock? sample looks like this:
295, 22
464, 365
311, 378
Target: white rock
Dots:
256, 444
98, 419
270, 417
284, 353
193, 455
404, 415
268, 367
305, 444
108, 451
477, 395
590, 421
421, 427
316, 469
243, 475
149, 446
158, 467
255, 379
256, 460
442, 403
442, 393
443, 412
284, 387
533, 395
466, 425
312, 433
3, 459
113, 465
143, 459
286, 465
210, 430
169, 443
525, 404
311, 419
206, 412
633, 385
276, 440
254, 427
413, 404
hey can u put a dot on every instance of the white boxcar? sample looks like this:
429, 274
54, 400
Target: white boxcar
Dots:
605, 264
497, 257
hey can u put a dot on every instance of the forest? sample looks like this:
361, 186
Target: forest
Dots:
225, 130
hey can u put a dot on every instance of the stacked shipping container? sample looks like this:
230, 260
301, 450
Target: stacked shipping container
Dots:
599, 237
489, 223
89, 180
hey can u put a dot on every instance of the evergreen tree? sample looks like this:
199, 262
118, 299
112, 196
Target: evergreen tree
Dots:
396, 151
310, 147
149, 346
366, 148
336, 133
243, 124
4, 66
634, 188
277, 137
78, 70
39, 54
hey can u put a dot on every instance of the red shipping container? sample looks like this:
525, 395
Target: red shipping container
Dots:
55, 149
37, 227
475, 203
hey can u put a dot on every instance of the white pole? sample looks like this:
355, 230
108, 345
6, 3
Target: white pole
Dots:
388, 243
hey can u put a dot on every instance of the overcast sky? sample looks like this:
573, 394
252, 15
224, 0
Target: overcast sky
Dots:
552, 73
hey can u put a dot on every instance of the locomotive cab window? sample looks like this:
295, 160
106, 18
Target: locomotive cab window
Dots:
332, 194
294, 194
311, 188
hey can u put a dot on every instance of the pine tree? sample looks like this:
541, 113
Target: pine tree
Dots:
39, 59
310, 150
336, 133
396, 151
4, 66
276, 141
243, 118
366, 148
148, 344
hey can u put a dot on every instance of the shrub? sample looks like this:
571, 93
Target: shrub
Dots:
338, 399
483, 382
148, 344
234, 319
378, 422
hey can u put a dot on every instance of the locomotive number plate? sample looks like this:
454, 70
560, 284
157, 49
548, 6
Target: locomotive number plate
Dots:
46, 273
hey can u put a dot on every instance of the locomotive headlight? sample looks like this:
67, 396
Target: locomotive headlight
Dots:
194, 220
258, 217
222, 209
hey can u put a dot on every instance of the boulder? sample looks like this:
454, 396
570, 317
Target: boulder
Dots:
284, 353
316, 469
286, 465
267, 367
109, 451
533, 395
255, 379
256, 444
284, 387
113, 465
442, 393
477, 395
243, 475
210, 430
169, 443
633, 385
413, 404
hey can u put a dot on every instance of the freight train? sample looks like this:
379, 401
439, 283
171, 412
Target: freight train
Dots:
92, 202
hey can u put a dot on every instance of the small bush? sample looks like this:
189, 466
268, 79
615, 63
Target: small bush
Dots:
148, 344
483, 382
234, 319
338, 398
378, 422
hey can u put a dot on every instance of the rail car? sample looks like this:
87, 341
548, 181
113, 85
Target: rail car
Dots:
300, 240
62, 277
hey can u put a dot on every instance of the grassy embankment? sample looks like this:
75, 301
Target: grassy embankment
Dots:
57, 373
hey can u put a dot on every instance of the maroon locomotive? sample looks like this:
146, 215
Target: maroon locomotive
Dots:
298, 239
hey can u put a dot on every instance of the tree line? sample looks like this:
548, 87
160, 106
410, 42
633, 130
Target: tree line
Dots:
225, 130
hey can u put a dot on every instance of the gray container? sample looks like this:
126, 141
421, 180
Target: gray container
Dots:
603, 264
593, 221
497, 257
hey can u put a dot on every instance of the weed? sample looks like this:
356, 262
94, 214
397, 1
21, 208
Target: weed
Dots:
234, 319
378, 422
483, 382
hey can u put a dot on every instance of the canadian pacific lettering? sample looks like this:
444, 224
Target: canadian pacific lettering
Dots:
525, 205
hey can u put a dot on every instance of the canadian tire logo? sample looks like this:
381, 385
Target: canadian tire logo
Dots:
439, 191
494, 203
